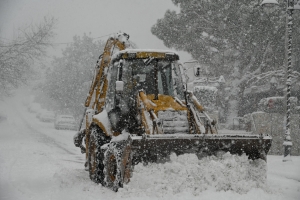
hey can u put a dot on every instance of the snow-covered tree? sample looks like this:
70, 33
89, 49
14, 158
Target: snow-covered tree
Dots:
237, 39
17, 57
69, 80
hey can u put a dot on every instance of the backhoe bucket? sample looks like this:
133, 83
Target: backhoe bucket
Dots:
154, 148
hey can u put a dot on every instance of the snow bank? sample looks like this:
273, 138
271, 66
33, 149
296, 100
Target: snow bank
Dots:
38, 162
186, 174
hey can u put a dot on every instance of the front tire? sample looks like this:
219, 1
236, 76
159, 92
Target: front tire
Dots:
118, 164
96, 154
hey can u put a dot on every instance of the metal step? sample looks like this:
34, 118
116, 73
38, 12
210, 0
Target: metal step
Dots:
174, 121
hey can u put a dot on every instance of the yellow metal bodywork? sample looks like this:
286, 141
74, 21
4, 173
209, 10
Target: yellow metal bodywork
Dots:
101, 99
105, 62
141, 55
99, 87
100, 83
196, 103
103, 128
98, 123
164, 102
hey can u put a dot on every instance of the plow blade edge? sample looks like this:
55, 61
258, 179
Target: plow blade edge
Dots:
155, 147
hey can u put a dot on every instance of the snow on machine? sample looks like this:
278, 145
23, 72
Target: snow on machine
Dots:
138, 110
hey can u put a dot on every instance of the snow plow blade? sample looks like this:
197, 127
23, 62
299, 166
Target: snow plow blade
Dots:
122, 155
153, 148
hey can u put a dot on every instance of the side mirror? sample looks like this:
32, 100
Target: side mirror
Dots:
197, 70
119, 86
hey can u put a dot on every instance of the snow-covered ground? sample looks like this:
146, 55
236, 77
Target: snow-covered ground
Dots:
38, 162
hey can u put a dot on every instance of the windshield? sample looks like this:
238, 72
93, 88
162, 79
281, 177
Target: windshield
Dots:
153, 76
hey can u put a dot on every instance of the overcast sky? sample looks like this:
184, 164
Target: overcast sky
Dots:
95, 17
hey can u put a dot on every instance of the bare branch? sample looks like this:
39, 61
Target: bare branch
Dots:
16, 57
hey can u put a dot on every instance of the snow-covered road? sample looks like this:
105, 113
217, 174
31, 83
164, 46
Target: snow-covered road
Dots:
38, 162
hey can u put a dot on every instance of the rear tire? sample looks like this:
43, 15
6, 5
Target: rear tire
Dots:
96, 154
111, 171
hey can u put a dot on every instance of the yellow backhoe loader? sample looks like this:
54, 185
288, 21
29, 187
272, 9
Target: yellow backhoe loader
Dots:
138, 110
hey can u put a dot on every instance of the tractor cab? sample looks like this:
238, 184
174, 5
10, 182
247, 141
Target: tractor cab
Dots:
156, 74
